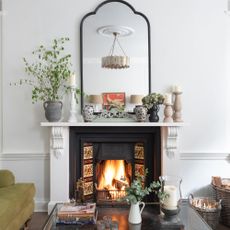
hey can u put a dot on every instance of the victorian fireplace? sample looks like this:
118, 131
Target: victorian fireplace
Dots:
107, 159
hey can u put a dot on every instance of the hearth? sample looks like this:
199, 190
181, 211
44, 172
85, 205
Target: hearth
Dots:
107, 159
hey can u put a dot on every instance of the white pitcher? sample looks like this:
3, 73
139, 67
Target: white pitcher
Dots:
135, 213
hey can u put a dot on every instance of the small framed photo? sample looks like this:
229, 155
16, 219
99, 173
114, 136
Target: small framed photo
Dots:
113, 100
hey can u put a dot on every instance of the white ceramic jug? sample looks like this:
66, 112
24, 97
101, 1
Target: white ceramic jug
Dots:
135, 213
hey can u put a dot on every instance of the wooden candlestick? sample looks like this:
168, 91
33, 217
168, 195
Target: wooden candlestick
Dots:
168, 112
177, 107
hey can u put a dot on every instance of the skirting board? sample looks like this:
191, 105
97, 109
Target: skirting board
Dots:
41, 206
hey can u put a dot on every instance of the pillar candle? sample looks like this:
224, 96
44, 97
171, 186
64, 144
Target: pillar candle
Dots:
177, 89
72, 80
170, 202
168, 98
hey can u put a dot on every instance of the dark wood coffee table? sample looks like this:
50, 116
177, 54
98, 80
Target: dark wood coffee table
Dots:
187, 219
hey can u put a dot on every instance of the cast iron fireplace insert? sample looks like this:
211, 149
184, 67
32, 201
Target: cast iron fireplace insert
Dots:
92, 148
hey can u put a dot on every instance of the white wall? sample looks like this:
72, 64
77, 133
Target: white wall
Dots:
190, 42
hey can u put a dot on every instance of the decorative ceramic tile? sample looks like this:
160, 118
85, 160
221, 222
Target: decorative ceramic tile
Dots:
88, 188
139, 152
88, 170
139, 169
88, 152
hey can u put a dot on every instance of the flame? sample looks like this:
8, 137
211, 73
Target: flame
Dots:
113, 170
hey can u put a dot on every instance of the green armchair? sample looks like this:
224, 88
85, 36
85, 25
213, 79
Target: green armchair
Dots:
16, 201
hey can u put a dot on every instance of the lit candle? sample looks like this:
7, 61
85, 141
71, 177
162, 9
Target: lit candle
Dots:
72, 80
170, 202
168, 98
177, 89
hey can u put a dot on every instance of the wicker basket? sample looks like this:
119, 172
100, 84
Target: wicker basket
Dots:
224, 194
208, 208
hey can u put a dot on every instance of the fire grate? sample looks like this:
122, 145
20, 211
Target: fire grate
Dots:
109, 196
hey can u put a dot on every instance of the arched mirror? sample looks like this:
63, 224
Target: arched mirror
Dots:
97, 34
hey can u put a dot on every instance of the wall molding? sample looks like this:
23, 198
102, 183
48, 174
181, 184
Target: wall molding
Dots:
190, 155
24, 156
183, 156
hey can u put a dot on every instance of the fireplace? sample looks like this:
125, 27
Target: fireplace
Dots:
107, 159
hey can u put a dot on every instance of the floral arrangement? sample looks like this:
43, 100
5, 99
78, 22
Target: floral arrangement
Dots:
51, 70
153, 99
136, 192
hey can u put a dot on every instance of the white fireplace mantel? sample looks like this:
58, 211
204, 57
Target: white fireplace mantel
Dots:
170, 131
59, 150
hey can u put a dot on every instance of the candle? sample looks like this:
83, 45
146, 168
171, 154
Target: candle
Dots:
177, 89
168, 98
72, 80
170, 202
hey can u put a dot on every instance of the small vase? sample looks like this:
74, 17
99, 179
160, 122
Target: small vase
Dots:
88, 113
141, 113
153, 111
53, 110
135, 213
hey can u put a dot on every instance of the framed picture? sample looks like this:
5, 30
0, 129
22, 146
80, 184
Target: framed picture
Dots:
113, 100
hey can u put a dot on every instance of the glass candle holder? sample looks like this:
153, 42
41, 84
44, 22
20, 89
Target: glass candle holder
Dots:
101, 225
171, 186
114, 225
107, 220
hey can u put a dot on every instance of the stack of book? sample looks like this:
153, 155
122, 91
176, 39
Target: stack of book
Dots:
80, 214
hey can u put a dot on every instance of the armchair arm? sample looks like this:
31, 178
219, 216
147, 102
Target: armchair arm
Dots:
6, 178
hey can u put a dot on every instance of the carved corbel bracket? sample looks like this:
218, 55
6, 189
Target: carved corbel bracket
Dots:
171, 142
57, 141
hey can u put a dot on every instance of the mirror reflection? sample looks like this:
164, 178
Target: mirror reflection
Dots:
115, 36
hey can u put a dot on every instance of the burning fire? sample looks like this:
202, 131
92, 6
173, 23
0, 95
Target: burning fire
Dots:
113, 176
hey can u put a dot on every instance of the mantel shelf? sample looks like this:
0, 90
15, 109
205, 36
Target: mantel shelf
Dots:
95, 124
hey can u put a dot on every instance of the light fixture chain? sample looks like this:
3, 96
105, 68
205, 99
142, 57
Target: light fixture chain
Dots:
113, 46
121, 47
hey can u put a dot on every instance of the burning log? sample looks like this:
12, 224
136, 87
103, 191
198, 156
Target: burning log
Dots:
119, 184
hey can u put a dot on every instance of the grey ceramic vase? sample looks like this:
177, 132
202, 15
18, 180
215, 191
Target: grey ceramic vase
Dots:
88, 113
141, 113
53, 110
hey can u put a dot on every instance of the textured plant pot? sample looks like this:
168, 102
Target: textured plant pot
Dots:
53, 110
153, 111
88, 113
141, 113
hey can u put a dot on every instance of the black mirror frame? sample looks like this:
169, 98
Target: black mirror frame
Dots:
81, 40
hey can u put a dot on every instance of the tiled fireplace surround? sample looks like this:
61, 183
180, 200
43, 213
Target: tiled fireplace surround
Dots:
60, 160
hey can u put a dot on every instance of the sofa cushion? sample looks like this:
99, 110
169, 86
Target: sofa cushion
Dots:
13, 199
6, 178
22, 217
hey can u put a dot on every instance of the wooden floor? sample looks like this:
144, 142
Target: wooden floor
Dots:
39, 218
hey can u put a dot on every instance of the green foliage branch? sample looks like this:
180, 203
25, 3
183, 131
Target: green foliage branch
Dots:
50, 70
